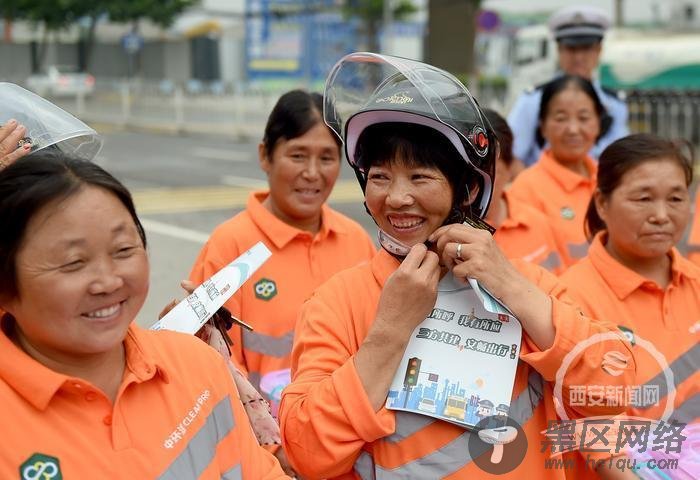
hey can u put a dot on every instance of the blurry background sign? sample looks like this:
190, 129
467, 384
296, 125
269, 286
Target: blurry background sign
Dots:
132, 43
488, 21
288, 39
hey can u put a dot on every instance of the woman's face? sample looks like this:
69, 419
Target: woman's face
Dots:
301, 173
408, 203
571, 125
82, 276
648, 211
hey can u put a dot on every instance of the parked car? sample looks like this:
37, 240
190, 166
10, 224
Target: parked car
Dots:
58, 81
427, 405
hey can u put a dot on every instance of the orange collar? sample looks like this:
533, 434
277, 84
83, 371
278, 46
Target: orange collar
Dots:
37, 384
281, 233
515, 216
566, 178
622, 280
383, 264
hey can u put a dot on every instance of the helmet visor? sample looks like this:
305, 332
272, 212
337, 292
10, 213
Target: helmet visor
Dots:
367, 82
47, 124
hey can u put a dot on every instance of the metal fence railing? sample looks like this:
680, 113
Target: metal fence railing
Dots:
243, 108
672, 114
168, 106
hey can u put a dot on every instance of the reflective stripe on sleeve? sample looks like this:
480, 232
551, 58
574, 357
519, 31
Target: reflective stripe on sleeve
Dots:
233, 474
682, 368
201, 449
551, 262
577, 250
267, 344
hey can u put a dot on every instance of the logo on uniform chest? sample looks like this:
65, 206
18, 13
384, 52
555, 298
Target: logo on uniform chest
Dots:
265, 289
567, 213
40, 467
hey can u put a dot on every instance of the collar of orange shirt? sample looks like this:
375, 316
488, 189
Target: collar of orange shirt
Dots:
568, 179
37, 384
280, 233
624, 281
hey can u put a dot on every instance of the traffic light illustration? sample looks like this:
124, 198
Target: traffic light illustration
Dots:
412, 371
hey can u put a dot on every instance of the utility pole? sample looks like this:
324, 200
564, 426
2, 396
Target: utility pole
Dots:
388, 27
619, 13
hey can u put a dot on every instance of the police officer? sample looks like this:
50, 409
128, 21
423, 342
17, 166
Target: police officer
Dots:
579, 32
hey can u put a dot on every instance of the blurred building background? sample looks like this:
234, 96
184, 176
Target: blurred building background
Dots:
230, 58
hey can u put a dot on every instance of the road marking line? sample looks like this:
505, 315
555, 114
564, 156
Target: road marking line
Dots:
234, 181
221, 154
196, 199
174, 231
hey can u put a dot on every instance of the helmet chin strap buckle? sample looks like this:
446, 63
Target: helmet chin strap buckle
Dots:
392, 245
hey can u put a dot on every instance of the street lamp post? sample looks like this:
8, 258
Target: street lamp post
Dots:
388, 24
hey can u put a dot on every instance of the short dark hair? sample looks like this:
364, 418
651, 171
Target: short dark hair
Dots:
503, 133
295, 113
33, 182
382, 143
622, 156
559, 84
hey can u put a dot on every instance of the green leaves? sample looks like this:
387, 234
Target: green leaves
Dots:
57, 14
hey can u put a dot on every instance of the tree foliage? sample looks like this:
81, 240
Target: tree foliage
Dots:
160, 12
53, 15
57, 14
371, 12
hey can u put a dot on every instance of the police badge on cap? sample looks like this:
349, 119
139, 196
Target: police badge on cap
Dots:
579, 25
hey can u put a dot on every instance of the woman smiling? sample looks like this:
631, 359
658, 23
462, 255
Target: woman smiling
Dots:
85, 392
424, 157
560, 184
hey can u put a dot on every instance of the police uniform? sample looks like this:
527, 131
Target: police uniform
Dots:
578, 25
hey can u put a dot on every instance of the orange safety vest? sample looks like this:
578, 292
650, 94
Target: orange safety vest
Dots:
667, 317
330, 429
177, 415
562, 195
526, 234
271, 299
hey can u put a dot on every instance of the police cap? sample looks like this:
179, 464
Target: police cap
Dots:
579, 25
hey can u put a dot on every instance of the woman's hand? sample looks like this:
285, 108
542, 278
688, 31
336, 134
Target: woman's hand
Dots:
410, 292
10, 135
408, 296
186, 286
480, 258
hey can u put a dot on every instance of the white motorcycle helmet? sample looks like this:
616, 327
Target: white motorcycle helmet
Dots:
47, 125
365, 89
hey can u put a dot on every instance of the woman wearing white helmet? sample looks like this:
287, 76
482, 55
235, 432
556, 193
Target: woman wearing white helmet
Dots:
424, 156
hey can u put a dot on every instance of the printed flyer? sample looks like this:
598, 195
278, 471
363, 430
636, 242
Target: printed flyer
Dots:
460, 363
189, 315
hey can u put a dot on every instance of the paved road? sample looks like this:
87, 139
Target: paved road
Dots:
186, 185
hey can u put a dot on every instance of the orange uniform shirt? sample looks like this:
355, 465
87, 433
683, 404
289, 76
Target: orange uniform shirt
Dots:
330, 429
562, 195
271, 299
177, 415
668, 317
526, 234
